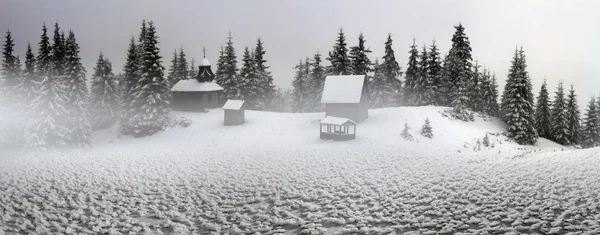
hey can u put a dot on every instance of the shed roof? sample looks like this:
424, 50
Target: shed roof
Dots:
343, 89
233, 105
192, 85
331, 120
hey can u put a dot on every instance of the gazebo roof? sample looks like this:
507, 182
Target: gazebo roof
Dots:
233, 105
192, 85
343, 89
338, 121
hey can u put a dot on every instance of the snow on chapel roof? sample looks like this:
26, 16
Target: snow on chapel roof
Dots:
204, 62
192, 85
343, 89
233, 105
331, 120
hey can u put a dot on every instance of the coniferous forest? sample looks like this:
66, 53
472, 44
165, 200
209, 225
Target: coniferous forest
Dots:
50, 103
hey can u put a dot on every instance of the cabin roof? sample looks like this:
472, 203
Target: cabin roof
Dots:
192, 85
343, 89
338, 121
233, 105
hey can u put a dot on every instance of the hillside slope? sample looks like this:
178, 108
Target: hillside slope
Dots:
274, 175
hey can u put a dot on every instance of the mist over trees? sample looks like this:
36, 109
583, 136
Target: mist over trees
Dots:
47, 102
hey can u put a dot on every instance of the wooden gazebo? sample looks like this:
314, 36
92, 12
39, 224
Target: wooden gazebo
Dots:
337, 128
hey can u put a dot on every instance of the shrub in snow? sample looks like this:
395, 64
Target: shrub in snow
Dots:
405, 134
181, 121
486, 140
426, 130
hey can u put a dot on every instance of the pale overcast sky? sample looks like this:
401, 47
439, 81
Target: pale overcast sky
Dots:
561, 38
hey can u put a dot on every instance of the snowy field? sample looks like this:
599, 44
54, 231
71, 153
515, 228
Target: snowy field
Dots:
274, 175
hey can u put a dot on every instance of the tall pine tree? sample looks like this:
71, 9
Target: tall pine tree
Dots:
182, 67
249, 82
391, 72
58, 53
361, 64
517, 106
173, 69
104, 97
474, 89
44, 57
267, 89
10, 70
29, 83
459, 61
338, 57
77, 95
560, 126
316, 83
412, 73
130, 80
419, 97
152, 92
543, 123
300, 87
227, 72
377, 87
434, 66
573, 118
489, 94
591, 130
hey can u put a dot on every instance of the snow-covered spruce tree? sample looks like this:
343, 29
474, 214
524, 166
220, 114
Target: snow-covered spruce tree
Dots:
434, 68
152, 92
360, 62
459, 61
444, 90
422, 83
338, 57
300, 89
228, 74
249, 82
316, 83
560, 126
220, 69
182, 66
104, 97
459, 104
130, 80
573, 118
543, 122
44, 57
426, 129
48, 127
405, 132
591, 130
494, 106
58, 54
412, 72
489, 95
28, 86
77, 96
391, 72
377, 87
193, 71
173, 69
10, 71
474, 89
264, 75
517, 104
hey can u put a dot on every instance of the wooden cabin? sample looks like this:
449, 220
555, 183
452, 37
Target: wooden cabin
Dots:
346, 96
234, 111
198, 94
337, 128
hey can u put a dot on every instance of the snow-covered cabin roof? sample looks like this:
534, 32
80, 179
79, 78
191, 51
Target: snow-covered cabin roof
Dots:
204, 62
331, 120
343, 89
233, 105
192, 85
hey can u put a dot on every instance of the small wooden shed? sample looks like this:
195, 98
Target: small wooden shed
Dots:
234, 112
337, 128
346, 96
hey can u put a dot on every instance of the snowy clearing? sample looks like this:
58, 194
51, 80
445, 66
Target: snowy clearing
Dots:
273, 175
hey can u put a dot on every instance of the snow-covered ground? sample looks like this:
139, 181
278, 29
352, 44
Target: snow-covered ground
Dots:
273, 175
